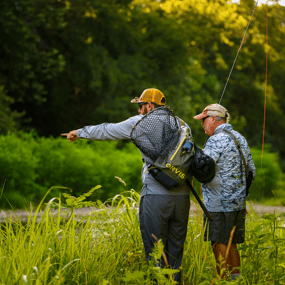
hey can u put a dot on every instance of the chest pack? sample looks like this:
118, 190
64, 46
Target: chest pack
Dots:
249, 173
166, 142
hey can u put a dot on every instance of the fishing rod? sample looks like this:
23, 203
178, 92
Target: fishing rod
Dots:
238, 53
235, 60
188, 183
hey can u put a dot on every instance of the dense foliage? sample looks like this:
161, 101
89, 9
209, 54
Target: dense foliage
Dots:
30, 165
66, 64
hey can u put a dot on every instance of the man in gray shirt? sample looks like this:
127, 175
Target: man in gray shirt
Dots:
162, 213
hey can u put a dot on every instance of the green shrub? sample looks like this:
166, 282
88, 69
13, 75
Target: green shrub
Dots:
33, 165
82, 165
268, 174
18, 166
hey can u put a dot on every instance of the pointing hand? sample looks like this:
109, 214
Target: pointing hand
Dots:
71, 136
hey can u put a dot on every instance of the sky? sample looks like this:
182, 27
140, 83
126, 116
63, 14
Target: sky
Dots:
281, 2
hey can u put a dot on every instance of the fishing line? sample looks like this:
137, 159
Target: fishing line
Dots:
238, 52
265, 91
235, 60
265, 81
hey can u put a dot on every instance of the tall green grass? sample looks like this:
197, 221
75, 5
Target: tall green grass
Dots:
105, 247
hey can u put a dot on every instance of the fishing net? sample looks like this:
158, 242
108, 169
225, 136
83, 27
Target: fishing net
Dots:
157, 133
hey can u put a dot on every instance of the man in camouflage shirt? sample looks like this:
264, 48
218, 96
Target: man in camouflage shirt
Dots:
225, 195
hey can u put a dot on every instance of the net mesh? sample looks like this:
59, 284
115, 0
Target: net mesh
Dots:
156, 133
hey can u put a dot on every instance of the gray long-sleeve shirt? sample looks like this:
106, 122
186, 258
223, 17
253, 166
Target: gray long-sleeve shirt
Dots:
122, 130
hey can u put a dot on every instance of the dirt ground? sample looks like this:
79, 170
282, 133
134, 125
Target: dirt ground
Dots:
22, 215
261, 209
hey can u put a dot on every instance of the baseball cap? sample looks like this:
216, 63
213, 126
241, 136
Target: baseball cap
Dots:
151, 95
213, 110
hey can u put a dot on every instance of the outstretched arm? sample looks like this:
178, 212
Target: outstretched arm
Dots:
105, 131
71, 136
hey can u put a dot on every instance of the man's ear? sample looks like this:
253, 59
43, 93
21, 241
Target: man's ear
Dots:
149, 106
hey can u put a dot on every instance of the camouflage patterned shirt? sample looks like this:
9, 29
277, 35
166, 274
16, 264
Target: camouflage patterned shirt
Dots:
226, 192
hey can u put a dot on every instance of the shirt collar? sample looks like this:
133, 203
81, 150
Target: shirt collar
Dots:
224, 126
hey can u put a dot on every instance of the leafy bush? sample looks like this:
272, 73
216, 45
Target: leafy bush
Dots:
268, 175
32, 165
18, 170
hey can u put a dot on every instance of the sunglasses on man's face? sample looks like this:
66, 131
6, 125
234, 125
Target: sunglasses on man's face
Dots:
141, 104
203, 120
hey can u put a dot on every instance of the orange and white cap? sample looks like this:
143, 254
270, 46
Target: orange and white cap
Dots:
213, 110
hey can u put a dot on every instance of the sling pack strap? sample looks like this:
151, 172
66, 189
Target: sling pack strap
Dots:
193, 190
199, 200
238, 147
182, 123
248, 174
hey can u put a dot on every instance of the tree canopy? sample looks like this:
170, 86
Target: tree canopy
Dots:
66, 64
